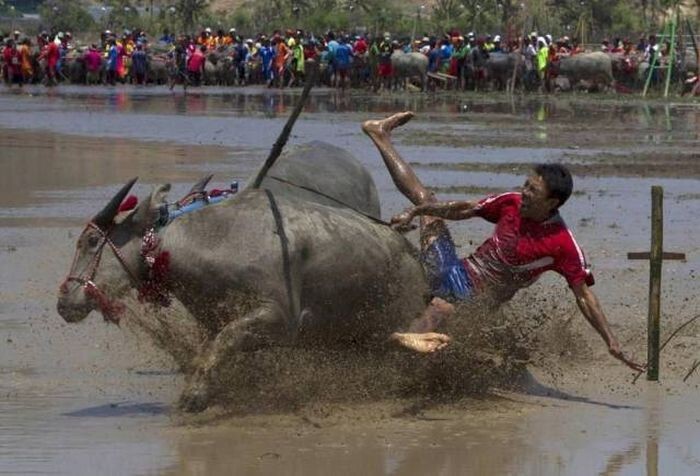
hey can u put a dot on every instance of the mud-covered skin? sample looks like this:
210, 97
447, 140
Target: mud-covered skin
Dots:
269, 268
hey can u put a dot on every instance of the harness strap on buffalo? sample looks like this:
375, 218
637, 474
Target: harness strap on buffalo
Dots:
286, 262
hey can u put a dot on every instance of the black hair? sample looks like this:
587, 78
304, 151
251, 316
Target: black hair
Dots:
558, 180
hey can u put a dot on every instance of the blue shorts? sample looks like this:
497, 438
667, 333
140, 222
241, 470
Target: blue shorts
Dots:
447, 275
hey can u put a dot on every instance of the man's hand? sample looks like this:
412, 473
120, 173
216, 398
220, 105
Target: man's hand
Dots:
425, 343
616, 351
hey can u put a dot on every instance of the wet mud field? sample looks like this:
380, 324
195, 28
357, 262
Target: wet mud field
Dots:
92, 398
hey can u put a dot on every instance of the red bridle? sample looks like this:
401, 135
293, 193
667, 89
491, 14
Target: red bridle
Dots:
109, 308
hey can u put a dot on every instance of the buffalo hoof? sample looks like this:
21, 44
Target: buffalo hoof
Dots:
193, 401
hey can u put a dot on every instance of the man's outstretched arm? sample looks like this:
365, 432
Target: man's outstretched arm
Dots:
591, 310
450, 210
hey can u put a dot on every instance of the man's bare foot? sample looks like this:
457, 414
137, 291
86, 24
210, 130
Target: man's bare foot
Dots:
385, 126
425, 343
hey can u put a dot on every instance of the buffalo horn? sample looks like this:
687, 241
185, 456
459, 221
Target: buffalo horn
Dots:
104, 218
199, 186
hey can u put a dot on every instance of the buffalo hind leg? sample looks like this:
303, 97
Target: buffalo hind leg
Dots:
256, 329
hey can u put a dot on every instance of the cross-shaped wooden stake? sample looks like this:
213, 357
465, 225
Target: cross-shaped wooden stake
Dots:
656, 257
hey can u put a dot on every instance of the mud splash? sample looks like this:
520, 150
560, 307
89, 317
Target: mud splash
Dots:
89, 399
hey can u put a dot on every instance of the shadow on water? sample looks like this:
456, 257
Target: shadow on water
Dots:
531, 386
120, 409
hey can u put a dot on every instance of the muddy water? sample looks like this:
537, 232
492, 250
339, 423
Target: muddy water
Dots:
95, 399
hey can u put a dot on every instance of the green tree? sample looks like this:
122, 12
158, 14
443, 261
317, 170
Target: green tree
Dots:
65, 15
189, 11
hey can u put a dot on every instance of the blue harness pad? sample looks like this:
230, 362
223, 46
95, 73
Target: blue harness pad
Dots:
171, 211
447, 276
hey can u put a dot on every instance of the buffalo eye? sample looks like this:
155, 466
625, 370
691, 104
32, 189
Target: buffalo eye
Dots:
93, 241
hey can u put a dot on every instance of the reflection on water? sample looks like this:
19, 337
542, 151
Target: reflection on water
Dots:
265, 102
558, 438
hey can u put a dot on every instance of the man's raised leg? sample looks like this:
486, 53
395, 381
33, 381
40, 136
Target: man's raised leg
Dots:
402, 174
419, 336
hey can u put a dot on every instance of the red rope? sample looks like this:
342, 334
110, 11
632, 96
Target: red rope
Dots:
155, 288
111, 310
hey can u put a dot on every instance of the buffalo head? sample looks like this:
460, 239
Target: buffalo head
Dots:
107, 262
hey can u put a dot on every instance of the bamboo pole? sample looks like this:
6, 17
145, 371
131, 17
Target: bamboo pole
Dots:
654, 324
672, 54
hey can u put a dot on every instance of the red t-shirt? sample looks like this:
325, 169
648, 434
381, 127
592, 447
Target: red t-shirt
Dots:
196, 62
52, 54
520, 250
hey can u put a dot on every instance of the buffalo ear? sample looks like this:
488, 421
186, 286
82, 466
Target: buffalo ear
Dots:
104, 218
148, 211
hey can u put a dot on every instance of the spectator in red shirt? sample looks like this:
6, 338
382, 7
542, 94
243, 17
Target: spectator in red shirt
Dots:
195, 65
12, 62
93, 64
52, 55
360, 46
530, 238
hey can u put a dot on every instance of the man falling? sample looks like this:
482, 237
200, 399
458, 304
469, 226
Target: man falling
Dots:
530, 238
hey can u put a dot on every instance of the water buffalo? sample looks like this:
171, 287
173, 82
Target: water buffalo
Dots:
499, 69
592, 68
298, 261
409, 65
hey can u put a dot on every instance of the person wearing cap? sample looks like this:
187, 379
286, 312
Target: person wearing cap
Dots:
51, 54
497, 48
530, 55
460, 56
298, 62
385, 70
563, 47
360, 46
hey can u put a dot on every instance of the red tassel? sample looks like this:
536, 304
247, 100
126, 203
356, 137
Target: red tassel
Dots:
129, 203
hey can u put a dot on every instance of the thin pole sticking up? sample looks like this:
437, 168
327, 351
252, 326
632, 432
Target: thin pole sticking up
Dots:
287, 130
654, 324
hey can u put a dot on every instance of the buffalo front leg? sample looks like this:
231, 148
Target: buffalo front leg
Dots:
261, 327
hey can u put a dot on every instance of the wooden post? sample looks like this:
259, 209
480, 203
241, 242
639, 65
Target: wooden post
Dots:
656, 256
657, 246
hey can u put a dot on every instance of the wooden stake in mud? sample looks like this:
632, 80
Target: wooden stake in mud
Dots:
656, 258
